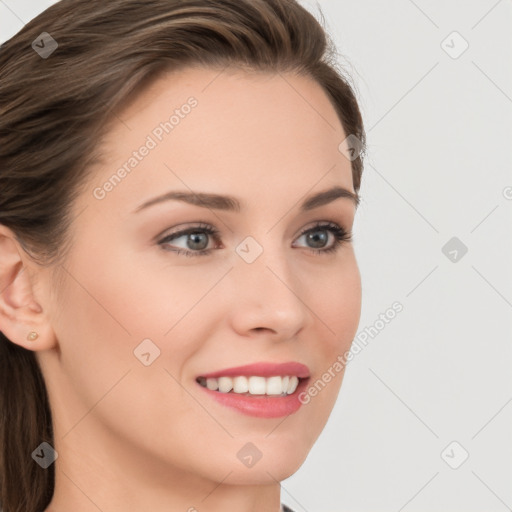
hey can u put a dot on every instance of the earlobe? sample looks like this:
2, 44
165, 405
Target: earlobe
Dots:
22, 319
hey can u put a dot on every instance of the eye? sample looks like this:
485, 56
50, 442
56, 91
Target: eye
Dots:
318, 237
196, 239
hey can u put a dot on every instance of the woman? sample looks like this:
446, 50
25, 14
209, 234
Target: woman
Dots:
178, 182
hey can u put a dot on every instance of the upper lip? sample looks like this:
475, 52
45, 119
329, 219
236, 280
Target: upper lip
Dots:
264, 370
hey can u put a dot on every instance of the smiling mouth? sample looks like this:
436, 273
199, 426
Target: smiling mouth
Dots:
253, 385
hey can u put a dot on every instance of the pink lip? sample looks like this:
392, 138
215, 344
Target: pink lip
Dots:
263, 370
261, 406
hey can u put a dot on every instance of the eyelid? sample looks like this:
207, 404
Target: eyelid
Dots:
189, 227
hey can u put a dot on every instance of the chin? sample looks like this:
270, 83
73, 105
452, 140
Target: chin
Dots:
275, 465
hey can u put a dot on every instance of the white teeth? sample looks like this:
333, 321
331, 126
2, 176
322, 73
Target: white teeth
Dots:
240, 384
212, 384
292, 385
257, 385
253, 385
274, 386
225, 384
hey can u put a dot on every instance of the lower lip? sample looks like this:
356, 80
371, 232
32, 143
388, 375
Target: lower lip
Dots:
261, 406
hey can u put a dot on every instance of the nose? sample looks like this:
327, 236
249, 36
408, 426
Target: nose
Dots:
267, 299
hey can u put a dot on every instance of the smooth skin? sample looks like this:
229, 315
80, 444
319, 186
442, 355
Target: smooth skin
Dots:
132, 437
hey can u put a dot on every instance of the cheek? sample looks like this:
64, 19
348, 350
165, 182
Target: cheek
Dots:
338, 308
104, 316
113, 302
336, 304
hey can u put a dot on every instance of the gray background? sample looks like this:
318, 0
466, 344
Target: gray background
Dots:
438, 166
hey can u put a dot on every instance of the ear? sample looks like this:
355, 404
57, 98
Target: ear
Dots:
20, 311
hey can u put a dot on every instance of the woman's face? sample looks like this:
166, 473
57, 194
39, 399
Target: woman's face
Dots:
136, 322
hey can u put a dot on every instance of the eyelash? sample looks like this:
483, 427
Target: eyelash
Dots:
341, 236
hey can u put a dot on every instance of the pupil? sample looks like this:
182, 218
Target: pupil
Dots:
195, 238
315, 238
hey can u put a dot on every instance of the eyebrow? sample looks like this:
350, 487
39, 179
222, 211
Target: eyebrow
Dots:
229, 203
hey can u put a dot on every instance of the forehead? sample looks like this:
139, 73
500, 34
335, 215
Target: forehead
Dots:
212, 130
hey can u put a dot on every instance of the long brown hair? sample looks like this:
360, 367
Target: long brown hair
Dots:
56, 106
